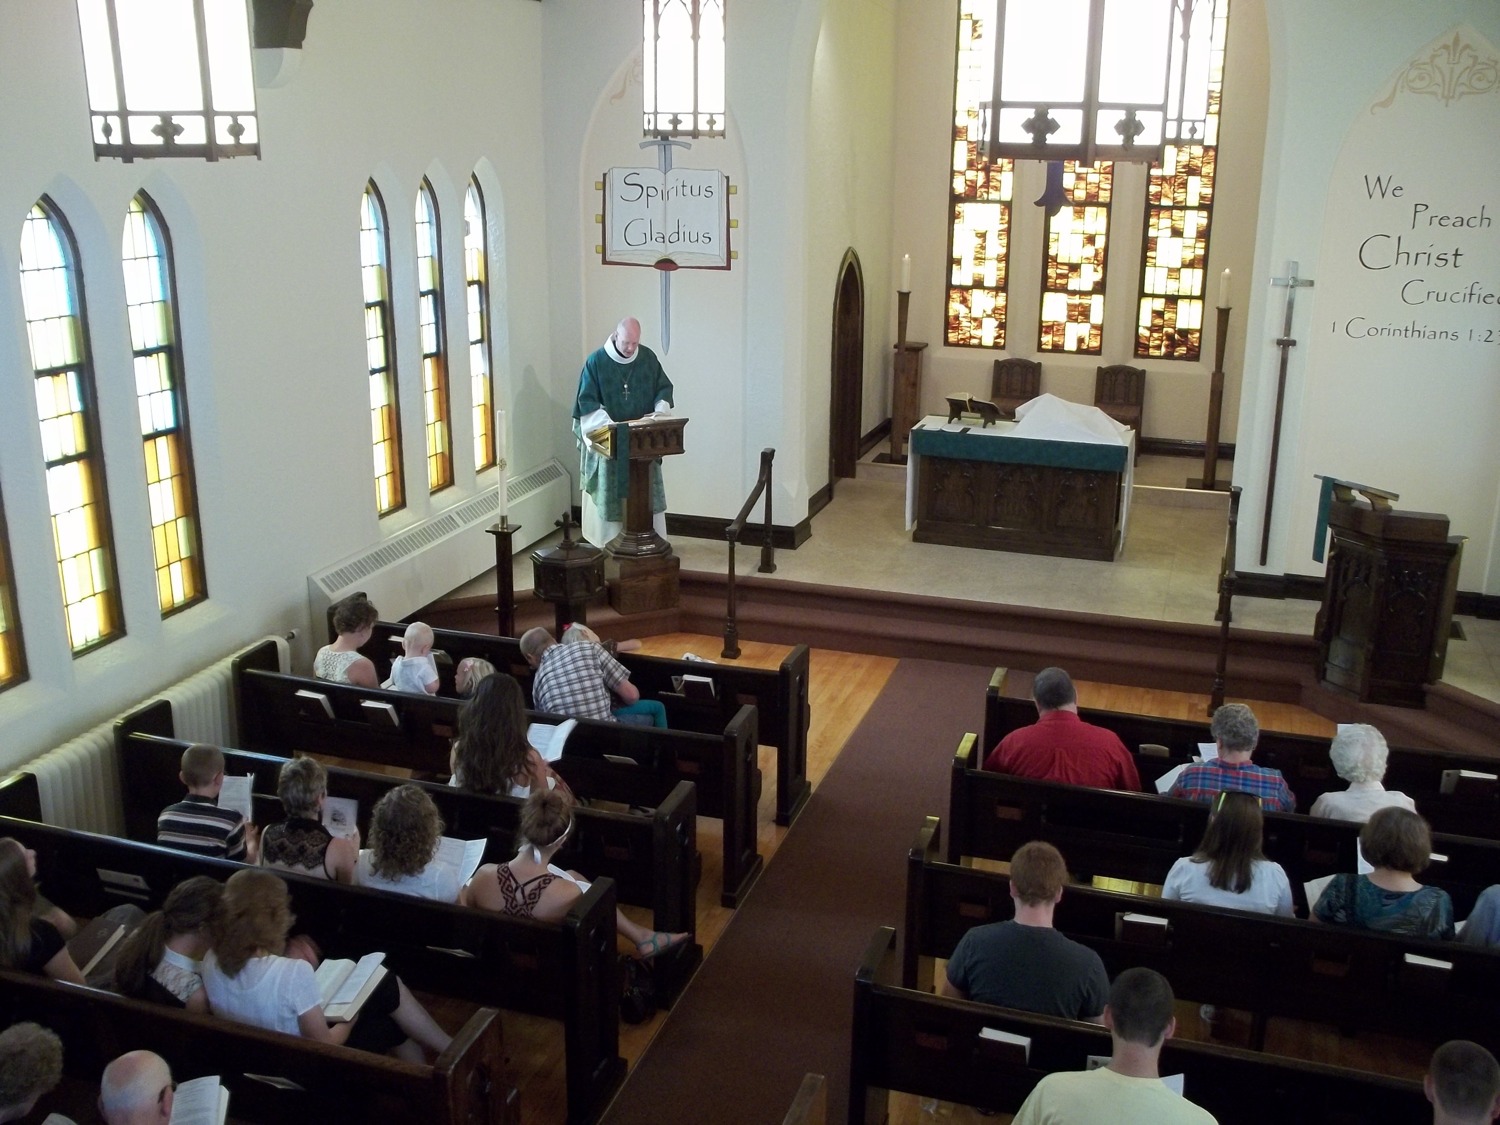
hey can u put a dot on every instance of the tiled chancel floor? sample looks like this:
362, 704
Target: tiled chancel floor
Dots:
1166, 572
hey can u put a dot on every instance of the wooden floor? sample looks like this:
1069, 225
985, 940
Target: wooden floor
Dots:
841, 689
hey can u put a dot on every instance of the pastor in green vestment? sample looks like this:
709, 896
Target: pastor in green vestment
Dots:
620, 382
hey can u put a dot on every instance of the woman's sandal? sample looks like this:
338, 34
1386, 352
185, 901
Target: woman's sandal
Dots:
658, 943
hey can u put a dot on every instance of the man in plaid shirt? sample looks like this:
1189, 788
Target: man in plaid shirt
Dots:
577, 680
1235, 730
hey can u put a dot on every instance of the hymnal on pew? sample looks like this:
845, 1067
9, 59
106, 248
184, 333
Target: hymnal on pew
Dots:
345, 985
699, 689
1007, 1043
201, 1101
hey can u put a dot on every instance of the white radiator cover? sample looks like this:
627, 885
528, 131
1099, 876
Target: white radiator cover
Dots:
79, 781
421, 564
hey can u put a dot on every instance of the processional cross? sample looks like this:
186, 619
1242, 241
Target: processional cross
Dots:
1291, 283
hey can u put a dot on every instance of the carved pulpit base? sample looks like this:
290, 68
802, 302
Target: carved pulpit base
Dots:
642, 585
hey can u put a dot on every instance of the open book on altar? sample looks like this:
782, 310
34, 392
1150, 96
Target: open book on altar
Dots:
345, 985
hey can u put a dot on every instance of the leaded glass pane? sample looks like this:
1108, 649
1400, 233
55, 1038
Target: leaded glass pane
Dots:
385, 424
433, 342
476, 286
1073, 269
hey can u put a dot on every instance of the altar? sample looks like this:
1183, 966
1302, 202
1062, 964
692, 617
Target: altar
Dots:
995, 488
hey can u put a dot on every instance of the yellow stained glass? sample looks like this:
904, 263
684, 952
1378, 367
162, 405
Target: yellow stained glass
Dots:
1073, 271
433, 343
385, 424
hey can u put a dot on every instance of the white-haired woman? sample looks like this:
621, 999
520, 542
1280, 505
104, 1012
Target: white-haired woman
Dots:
1359, 754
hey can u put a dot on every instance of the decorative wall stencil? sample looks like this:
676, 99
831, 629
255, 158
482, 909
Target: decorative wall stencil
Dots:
1453, 69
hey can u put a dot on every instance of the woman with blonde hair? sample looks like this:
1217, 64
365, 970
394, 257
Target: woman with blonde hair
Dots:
531, 886
160, 959
405, 831
301, 843
1229, 869
249, 979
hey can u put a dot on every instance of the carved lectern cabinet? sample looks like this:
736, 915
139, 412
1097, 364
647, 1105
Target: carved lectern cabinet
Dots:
1387, 607
640, 568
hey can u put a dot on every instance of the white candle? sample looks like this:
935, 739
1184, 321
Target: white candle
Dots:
1224, 290
500, 460
906, 273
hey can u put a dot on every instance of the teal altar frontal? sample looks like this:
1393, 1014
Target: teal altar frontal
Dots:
973, 486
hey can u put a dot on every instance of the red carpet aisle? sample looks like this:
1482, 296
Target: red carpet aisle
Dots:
772, 1002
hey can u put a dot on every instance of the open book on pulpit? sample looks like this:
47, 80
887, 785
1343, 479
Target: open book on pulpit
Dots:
602, 438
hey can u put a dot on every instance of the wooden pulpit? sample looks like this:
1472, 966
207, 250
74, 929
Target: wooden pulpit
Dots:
640, 568
1382, 630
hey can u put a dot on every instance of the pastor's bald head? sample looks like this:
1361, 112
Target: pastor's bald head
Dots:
627, 336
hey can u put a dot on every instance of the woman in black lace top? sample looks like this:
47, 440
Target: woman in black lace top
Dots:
300, 843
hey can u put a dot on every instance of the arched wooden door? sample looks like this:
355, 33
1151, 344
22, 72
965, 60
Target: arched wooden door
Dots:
848, 368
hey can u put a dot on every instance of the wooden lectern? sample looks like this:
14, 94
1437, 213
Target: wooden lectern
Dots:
640, 568
1382, 630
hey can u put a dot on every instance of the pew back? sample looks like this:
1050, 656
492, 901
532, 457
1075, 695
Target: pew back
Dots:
567, 971
780, 695
464, 1086
934, 1047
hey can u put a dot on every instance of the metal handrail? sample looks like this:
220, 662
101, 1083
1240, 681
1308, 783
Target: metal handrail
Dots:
767, 550
1226, 596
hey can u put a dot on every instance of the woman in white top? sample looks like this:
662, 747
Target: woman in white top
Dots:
160, 959
353, 620
405, 830
491, 754
248, 979
1359, 755
1228, 868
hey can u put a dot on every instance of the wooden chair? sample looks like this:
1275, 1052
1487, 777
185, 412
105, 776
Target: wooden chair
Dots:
1120, 391
1015, 381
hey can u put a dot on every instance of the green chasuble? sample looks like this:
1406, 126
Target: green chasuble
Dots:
626, 391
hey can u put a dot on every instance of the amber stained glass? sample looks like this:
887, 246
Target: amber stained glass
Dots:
477, 293
1073, 269
12, 650
385, 423
434, 341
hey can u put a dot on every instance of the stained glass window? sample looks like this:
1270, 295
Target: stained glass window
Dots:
434, 341
12, 653
477, 291
150, 297
979, 237
385, 414
51, 294
1073, 266
1179, 205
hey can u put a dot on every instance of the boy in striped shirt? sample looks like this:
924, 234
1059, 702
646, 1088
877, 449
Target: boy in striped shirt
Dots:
196, 823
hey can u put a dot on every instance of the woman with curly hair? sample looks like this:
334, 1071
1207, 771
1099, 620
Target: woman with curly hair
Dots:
300, 843
405, 830
31, 942
249, 979
160, 959
530, 886
491, 754
340, 662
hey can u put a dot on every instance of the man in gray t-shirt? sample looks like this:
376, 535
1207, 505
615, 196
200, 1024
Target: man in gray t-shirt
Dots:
1025, 963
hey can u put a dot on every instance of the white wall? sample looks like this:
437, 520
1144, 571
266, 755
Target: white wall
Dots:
1414, 416
268, 278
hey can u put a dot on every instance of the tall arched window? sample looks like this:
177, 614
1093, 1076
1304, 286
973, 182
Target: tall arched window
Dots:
477, 293
12, 652
385, 413
52, 295
434, 340
151, 297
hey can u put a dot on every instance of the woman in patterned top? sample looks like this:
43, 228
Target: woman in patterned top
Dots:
531, 886
300, 843
1398, 844
160, 959
353, 619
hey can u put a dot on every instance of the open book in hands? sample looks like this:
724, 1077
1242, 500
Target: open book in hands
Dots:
345, 985
201, 1101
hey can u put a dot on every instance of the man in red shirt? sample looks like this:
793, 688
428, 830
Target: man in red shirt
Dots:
1060, 746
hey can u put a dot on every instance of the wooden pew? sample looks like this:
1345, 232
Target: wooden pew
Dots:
568, 971
1471, 809
280, 714
653, 859
1254, 962
780, 695
463, 1086
921, 1044
1139, 836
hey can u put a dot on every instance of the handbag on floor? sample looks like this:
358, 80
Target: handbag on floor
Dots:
638, 1001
